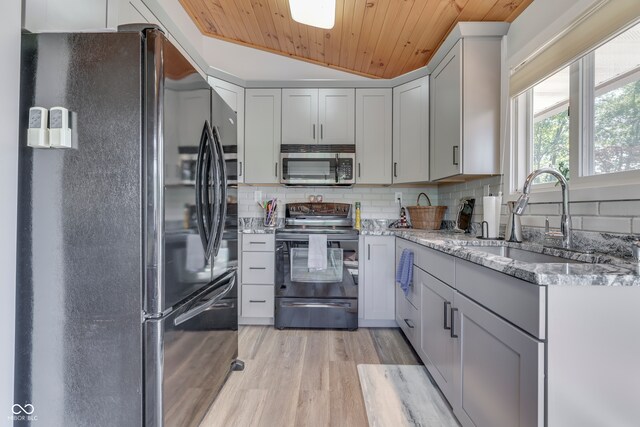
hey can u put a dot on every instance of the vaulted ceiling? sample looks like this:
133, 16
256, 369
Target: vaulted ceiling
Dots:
373, 38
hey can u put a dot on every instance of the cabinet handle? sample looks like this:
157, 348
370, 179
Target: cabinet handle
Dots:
359, 170
314, 131
447, 305
257, 268
321, 131
257, 243
276, 169
453, 322
258, 300
409, 324
240, 169
395, 169
456, 152
369, 252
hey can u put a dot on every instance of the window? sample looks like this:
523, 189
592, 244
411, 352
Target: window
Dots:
615, 146
583, 120
550, 144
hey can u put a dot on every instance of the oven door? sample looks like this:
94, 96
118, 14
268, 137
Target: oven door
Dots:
316, 169
316, 299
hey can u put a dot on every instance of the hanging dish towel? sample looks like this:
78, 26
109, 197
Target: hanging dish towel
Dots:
404, 274
195, 253
317, 252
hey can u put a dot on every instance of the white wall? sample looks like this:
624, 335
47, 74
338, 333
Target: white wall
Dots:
10, 19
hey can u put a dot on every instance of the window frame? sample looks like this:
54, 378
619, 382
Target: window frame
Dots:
583, 185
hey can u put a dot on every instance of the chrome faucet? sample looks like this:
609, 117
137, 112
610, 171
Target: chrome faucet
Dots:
565, 219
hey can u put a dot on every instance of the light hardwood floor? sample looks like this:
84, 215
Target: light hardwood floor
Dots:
303, 377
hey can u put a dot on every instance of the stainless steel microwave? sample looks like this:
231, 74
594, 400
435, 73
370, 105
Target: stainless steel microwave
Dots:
317, 164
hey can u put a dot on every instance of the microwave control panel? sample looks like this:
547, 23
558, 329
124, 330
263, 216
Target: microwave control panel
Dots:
345, 169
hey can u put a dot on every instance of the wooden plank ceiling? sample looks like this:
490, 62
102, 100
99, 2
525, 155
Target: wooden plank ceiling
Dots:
374, 38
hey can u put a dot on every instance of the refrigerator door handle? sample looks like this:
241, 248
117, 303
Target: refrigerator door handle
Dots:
210, 199
222, 211
203, 227
213, 300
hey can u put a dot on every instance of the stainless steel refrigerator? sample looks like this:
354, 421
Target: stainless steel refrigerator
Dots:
127, 265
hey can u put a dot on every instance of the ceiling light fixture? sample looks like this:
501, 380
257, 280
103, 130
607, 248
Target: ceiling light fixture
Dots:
316, 13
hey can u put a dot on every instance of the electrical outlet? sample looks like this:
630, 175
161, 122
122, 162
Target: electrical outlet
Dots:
398, 198
257, 196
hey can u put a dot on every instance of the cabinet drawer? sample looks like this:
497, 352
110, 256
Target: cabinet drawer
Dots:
258, 242
257, 301
258, 268
408, 318
521, 303
438, 264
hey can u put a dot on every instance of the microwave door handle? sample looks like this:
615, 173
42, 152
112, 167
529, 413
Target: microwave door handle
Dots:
337, 163
202, 228
222, 209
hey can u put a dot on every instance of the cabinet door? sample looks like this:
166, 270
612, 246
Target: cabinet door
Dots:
300, 116
69, 15
436, 345
379, 278
499, 370
446, 115
234, 96
336, 116
374, 134
262, 136
411, 132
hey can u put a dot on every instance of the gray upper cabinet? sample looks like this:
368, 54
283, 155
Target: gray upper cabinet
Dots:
318, 116
465, 110
411, 132
374, 133
336, 116
300, 116
262, 135
233, 95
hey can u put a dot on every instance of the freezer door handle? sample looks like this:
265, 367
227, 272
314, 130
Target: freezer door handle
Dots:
217, 295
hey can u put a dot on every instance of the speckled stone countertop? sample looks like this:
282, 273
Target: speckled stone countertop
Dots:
591, 270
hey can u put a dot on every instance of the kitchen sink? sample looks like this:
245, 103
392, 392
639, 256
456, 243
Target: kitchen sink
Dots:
523, 255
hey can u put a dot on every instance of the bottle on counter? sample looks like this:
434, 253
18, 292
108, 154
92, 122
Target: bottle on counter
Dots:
357, 226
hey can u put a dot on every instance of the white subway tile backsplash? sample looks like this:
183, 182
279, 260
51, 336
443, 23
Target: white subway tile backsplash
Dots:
622, 208
607, 224
584, 208
635, 227
376, 202
543, 209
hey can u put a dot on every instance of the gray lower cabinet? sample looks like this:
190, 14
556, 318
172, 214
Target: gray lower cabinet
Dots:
490, 371
436, 344
498, 375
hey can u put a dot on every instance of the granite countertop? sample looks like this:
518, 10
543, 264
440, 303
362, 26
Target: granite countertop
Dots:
593, 270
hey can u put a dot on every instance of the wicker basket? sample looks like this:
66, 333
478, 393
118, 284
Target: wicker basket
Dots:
426, 217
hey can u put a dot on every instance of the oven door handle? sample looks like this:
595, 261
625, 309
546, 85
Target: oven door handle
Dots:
316, 304
301, 237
